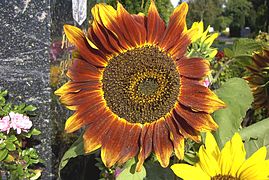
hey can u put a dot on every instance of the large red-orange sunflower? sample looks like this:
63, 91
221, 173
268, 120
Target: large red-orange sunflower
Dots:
133, 88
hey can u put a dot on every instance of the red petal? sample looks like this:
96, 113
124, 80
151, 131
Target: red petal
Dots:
193, 67
91, 55
198, 120
134, 32
176, 138
198, 97
146, 139
184, 128
162, 145
112, 143
155, 25
176, 26
131, 145
81, 71
106, 16
96, 131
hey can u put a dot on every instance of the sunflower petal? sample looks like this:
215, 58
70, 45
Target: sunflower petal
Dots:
176, 26
134, 32
208, 163
104, 39
198, 120
212, 146
96, 131
91, 55
112, 142
107, 16
184, 128
162, 145
83, 116
232, 155
253, 165
199, 98
146, 139
155, 25
81, 71
130, 147
193, 67
176, 138
188, 172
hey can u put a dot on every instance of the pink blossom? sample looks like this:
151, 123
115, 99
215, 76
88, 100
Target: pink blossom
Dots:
19, 122
5, 124
117, 172
206, 82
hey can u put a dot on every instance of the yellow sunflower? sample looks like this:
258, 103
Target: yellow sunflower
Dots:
229, 164
133, 88
259, 79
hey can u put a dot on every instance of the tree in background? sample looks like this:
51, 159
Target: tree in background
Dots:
259, 15
205, 10
237, 11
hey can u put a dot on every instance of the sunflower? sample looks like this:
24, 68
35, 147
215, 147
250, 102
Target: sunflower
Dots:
229, 164
132, 87
259, 79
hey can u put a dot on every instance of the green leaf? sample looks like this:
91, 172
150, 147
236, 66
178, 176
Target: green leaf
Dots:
244, 46
156, 172
32, 132
29, 108
228, 52
10, 146
3, 154
130, 173
75, 150
3, 93
256, 136
2, 145
12, 138
238, 98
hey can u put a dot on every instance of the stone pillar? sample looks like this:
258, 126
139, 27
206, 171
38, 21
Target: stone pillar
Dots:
24, 63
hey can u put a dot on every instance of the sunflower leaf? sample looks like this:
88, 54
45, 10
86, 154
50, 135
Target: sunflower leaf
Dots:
75, 150
238, 98
157, 172
129, 172
256, 139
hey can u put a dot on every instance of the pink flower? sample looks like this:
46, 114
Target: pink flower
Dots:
206, 82
5, 124
117, 172
19, 122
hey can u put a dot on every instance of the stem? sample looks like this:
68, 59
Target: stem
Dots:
222, 68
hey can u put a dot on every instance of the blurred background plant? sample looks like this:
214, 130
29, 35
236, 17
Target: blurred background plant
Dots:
18, 157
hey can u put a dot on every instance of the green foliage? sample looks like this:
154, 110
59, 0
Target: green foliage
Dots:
130, 173
256, 136
156, 172
17, 160
75, 150
205, 10
238, 98
242, 50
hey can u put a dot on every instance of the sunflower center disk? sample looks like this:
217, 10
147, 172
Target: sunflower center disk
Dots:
141, 85
224, 177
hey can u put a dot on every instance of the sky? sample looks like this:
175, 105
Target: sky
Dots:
175, 2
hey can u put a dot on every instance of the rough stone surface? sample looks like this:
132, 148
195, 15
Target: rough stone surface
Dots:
24, 62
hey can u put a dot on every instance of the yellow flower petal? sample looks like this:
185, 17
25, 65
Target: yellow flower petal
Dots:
187, 172
232, 156
208, 162
254, 167
209, 41
211, 145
